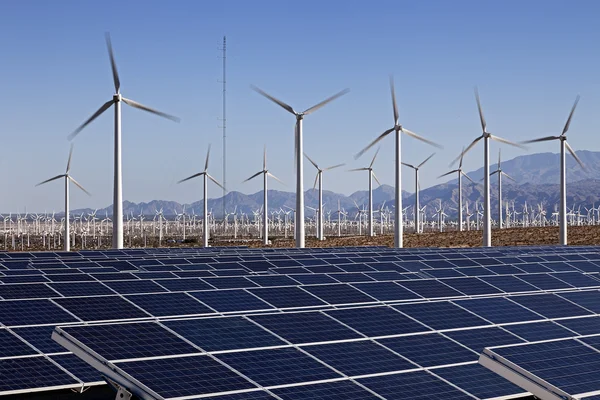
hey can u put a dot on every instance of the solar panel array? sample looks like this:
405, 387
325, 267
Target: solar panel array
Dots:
286, 323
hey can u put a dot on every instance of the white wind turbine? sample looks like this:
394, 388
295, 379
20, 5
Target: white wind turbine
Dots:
563, 171
398, 181
298, 146
486, 136
417, 187
265, 174
371, 176
319, 178
205, 174
460, 175
68, 178
117, 240
500, 174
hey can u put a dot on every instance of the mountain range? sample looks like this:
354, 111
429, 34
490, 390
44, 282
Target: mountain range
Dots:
537, 182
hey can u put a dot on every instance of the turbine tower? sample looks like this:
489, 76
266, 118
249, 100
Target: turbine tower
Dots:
371, 176
117, 239
500, 174
319, 177
563, 171
417, 214
398, 181
266, 174
205, 206
299, 214
460, 175
486, 136
67, 238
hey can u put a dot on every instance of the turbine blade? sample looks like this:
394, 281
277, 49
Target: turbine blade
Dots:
104, 107
461, 158
207, 157
481, 117
327, 100
311, 161
316, 179
394, 104
276, 178
421, 138
113, 64
374, 157
358, 169
135, 104
69, 160
254, 176
448, 173
508, 176
51, 179
468, 177
501, 140
334, 166
78, 185
543, 139
375, 177
191, 177
473, 143
566, 128
408, 165
574, 155
427, 159
265, 157
274, 100
499, 156
215, 181
491, 173
373, 143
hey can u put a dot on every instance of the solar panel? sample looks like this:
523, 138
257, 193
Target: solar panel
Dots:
26, 291
477, 339
339, 294
75, 365
340, 390
101, 308
32, 374
509, 283
471, 286
169, 304
377, 321
230, 333
32, 312
539, 331
386, 291
582, 326
430, 289
231, 300
544, 281
12, 346
183, 284
441, 315
498, 310
134, 286
550, 305
312, 279
287, 297
40, 338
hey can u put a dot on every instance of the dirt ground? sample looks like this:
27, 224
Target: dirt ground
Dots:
577, 235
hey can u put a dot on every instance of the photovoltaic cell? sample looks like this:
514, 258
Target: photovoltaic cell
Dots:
377, 321
169, 304
441, 315
340, 390
101, 308
231, 300
545, 281
582, 326
430, 289
32, 312
275, 280
287, 297
75, 365
40, 337
31, 373
386, 291
339, 294
587, 299
498, 310
81, 289
183, 284
478, 339
12, 346
550, 305
537, 331
577, 279
509, 284
26, 291
471, 286
134, 286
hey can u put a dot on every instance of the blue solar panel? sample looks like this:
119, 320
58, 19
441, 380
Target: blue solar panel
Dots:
545, 281
134, 286
351, 277
306, 327
24, 279
339, 294
287, 297
582, 326
377, 321
12, 346
587, 299
70, 278
278, 366
443, 273
550, 305
81, 289
429, 350
441, 315
471, 286
231, 300
31, 373
498, 310
430, 289
359, 358
114, 276
82, 370
101, 308
386, 291
509, 284
32, 312
476, 271
504, 269
479, 381
340, 390
214, 334
26, 291
185, 376
312, 279
478, 339
577, 279
419, 385
536, 331
275, 280
169, 304
254, 395
40, 338
183, 284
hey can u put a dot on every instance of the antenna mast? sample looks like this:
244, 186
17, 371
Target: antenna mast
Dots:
224, 120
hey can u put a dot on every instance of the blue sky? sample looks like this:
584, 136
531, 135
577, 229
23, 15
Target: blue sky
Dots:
529, 59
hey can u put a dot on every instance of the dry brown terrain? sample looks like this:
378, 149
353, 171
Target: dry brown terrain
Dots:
577, 235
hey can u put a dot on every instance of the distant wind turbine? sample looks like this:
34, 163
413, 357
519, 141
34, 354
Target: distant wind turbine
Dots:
417, 187
371, 176
460, 175
265, 174
298, 144
319, 178
563, 171
117, 239
68, 178
398, 181
205, 206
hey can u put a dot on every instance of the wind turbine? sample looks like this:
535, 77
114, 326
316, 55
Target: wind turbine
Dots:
371, 176
205, 174
265, 174
500, 174
298, 146
460, 175
398, 181
563, 171
417, 188
486, 136
68, 178
319, 178
117, 240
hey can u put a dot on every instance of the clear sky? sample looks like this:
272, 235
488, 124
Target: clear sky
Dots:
529, 58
